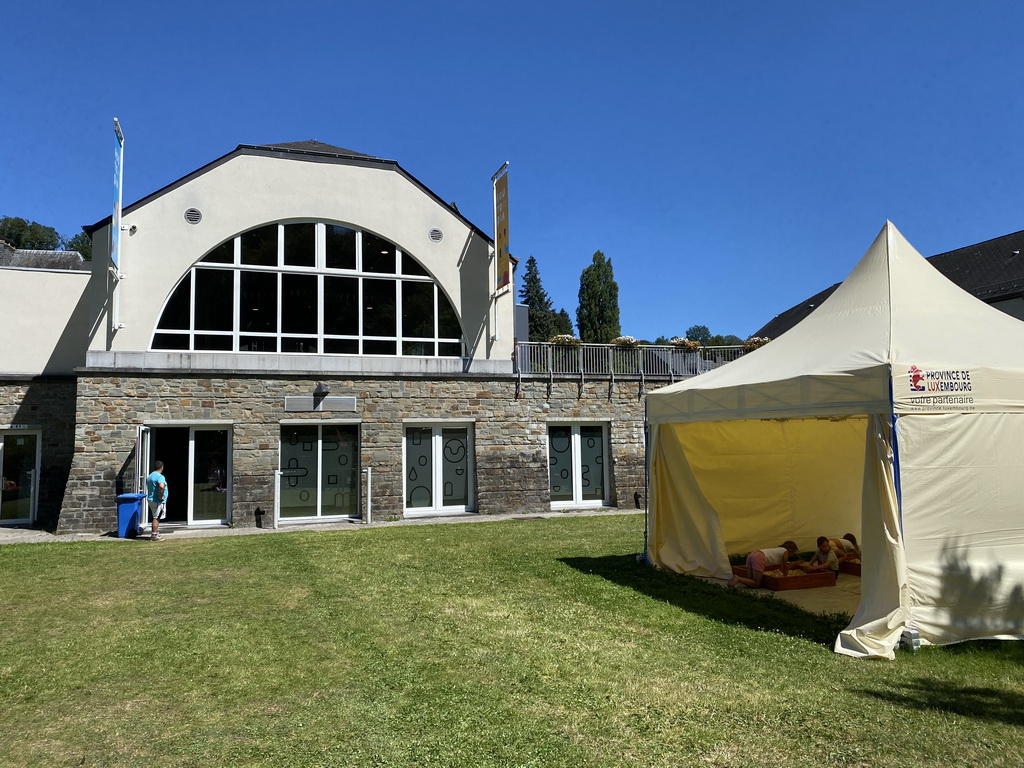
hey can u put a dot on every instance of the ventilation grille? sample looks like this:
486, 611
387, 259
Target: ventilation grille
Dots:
193, 215
435, 235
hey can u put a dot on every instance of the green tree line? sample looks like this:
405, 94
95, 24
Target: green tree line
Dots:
31, 235
597, 315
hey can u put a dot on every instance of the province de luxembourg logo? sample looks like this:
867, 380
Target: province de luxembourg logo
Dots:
916, 379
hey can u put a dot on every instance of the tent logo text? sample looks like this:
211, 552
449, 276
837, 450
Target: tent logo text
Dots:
939, 381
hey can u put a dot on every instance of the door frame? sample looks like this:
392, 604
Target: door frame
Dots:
5, 434
144, 443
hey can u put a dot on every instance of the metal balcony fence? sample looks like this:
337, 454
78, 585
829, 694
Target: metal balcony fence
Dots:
647, 361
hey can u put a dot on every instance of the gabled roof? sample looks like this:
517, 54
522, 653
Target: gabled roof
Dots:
311, 150
991, 271
27, 258
315, 146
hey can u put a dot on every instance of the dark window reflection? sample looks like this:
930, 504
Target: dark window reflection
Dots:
418, 348
222, 254
215, 293
302, 344
417, 309
298, 303
340, 247
258, 300
341, 306
170, 341
257, 344
447, 321
259, 246
372, 347
378, 255
379, 308
300, 245
216, 343
176, 313
412, 267
341, 346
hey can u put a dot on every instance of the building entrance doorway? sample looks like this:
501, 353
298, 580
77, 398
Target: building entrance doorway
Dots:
19, 473
197, 465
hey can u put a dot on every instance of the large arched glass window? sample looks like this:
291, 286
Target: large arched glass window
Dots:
310, 288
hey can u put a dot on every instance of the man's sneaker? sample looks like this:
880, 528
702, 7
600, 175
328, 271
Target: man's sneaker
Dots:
156, 537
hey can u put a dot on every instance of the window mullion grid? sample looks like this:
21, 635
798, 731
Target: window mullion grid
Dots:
321, 266
236, 320
399, 322
437, 454
437, 329
577, 468
319, 468
192, 309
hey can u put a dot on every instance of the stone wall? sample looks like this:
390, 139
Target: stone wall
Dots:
46, 405
509, 427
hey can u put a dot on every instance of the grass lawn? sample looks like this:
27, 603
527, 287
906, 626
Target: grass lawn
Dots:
511, 643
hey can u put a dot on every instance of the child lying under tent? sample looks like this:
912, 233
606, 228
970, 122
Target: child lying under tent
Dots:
761, 560
845, 548
824, 559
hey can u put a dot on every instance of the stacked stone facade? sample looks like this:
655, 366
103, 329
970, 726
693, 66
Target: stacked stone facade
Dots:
44, 405
509, 423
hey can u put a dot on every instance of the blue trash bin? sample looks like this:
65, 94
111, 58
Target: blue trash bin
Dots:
129, 514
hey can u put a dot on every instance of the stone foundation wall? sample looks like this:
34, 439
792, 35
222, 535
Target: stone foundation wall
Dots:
509, 435
46, 405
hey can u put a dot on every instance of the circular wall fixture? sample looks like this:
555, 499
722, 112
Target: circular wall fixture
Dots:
435, 235
193, 215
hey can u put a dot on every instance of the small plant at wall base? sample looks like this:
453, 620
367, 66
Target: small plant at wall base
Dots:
687, 345
755, 342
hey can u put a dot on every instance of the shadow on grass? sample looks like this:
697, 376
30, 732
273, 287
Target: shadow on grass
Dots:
765, 614
988, 704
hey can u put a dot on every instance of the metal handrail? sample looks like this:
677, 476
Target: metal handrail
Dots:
647, 360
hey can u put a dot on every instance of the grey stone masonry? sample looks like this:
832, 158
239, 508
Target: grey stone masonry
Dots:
509, 427
43, 406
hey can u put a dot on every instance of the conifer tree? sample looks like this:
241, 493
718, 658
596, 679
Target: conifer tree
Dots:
544, 321
597, 316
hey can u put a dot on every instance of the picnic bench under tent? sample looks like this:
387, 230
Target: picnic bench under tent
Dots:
894, 411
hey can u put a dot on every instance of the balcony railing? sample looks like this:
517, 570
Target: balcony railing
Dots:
543, 358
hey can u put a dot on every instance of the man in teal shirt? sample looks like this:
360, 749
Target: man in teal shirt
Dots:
156, 497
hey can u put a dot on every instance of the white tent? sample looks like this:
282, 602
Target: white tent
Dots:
895, 411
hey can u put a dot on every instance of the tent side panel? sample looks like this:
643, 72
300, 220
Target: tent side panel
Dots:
882, 615
963, 519
684, 533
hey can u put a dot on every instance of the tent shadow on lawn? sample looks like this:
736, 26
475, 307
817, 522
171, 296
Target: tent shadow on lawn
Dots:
739, 607
980, 703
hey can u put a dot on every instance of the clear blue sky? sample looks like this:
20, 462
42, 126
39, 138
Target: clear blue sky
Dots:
731, 158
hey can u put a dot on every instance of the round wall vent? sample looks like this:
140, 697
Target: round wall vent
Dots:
193, 215
435, 235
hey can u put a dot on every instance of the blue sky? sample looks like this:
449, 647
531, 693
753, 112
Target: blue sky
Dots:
730, 158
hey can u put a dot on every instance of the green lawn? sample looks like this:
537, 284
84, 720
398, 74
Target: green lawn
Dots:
511, 643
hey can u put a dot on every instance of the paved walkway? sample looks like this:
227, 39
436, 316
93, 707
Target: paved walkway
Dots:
9, 535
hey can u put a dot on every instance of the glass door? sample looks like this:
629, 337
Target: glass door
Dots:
19, 470
320, 471
197, 465
209, 476
577, 470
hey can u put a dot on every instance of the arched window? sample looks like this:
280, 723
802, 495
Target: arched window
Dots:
310, 288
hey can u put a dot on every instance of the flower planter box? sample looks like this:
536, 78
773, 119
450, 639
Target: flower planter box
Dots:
796, 579
851, 568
